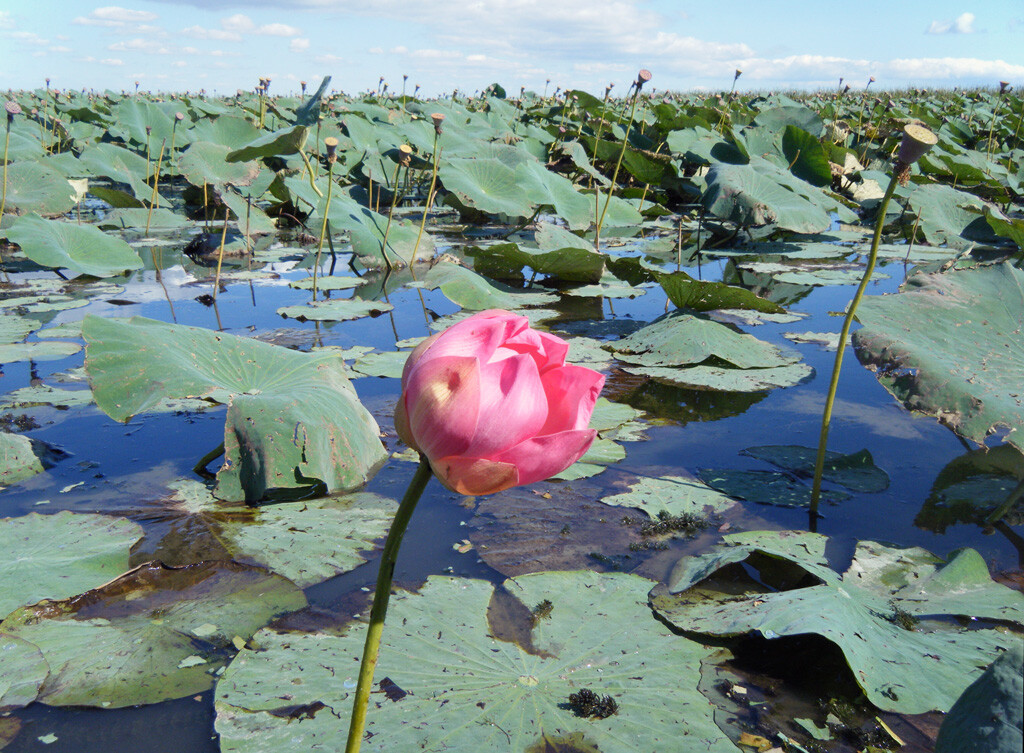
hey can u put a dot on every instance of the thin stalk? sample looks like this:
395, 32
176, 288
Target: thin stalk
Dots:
311, 174
996, 515
844, 333
7, 144
426, 209
323, 225
379, 610
220, 256
618, 163
391, 212
156, 183
200, 466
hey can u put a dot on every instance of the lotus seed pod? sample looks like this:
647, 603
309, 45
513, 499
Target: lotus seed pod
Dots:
437, 118
642, 78
331, 144
1004, 86
917, 140
12, 108
404, 155
179, 116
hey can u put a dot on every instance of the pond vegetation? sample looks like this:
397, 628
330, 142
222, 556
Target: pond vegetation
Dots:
205, 308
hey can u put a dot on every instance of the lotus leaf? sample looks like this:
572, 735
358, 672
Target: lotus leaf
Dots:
466, 690
293, 418
153, 634
857, 471
83, 249
673, 495
60, 555
950, 346
987, 718
471, 291
34, 187
900, 668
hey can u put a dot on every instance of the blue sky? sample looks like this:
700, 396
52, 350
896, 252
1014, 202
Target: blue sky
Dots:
225, 45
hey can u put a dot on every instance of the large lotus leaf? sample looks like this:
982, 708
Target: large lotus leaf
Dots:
572, 264
153, 634
22, 671
227, 130
856, 471
120, 165
543, 187
989, 716
466, 690
471, 291
143, 122
806, 156
672, 495
205, 162
138, 218
60, 555
950, 346
307, 541
800, 116
34, 187
726, 379
747, 196
82, 249
903, 669
486, 184
681, 339
948, 216
699, 295
278, 143
1005, 227
293, 418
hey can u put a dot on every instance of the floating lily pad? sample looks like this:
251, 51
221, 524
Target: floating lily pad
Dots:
83, 249
572, 264
293, 418
727, 380
153, 634
468, 691
37, 351
471, 291
22, 671
828, 340
42, 394
328, 282
698, 295
765, 487
307, 542
602, 453
682, 340
856, 471
673, 495
388, 364
60, 555
950, 346
900, 667
335, 310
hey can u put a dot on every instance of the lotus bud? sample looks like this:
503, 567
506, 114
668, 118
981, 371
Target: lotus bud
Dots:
404, 155
846, 89
416, 91
738, 74
331, 144
437, 119
642, 78
149, 130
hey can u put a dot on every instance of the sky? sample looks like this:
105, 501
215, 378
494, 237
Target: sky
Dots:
222, 46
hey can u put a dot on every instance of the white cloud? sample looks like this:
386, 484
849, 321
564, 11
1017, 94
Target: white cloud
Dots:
146, 46
221, 35
60, 48
112, 61
6, 20
328, 59
962, 24
238, 22
277, 30
299, 45
29, 37
114, 17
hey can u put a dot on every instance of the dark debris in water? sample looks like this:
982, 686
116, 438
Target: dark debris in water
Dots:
589, 705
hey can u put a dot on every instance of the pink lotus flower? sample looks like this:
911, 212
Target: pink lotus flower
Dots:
492, 404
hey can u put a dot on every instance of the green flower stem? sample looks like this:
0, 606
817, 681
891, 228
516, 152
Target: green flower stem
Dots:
851, 312
426, 209
379, 609
618, 165
156, 184
312, 175
323, 225
996, 515
7, 144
